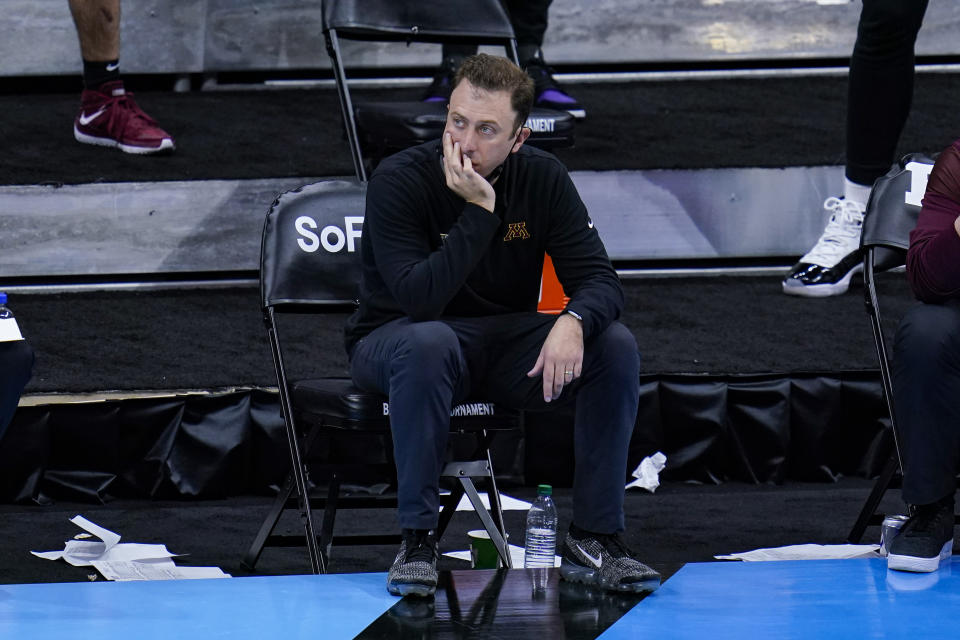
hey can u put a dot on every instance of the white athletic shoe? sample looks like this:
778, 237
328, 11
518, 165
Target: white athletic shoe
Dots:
827, 268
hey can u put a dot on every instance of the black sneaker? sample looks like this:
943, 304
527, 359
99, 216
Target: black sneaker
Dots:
827, 268
605, 561
925, 540
442, 85
547, 93
414, 572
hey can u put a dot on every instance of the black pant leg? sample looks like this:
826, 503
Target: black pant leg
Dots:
880, 88
926, 393
529, 19
419, 366
16, 365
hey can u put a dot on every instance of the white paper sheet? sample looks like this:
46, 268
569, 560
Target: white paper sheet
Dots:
9, 331
806, 552
164, 569
109, 537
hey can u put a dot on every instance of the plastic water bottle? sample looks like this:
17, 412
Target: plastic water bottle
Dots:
541, 537
9, 330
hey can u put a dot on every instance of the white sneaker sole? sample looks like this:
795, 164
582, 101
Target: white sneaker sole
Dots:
796, 288
920, 565
165, 145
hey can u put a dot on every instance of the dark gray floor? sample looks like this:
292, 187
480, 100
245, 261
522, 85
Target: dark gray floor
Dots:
679, 523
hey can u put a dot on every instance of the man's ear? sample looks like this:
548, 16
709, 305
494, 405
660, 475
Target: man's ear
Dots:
522, 136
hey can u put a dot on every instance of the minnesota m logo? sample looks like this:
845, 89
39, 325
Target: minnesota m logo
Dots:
516, 231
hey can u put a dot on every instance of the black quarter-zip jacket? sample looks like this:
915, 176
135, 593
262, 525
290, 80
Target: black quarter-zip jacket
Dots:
426, 253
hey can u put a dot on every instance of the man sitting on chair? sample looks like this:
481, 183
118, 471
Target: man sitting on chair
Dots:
926, 375
452, 249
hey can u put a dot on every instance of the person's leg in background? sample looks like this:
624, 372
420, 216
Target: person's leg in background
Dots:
109, 116
880, 88
16, 366
880, 91
442, 84
926, 394
529, 20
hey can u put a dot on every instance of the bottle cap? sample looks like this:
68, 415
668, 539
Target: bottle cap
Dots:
544, 490
3, 298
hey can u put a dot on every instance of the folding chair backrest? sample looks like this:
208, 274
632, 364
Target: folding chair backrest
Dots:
309, 250
480, 21
893, 209
475, 22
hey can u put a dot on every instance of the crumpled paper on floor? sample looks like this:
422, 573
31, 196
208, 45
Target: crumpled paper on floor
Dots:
117, 560
647, 473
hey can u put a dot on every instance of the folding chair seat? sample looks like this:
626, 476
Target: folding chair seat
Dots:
380, 128
891, 214
309, 264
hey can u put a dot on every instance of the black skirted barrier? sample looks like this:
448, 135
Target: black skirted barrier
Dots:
753, 428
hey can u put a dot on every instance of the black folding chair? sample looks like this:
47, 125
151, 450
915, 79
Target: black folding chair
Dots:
309, 264
382, 127
891, 214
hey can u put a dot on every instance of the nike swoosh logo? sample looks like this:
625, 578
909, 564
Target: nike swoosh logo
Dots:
87, 119
595, 561
113, 67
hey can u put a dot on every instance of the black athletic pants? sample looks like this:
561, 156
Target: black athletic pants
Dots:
16, 364
926, 393
529, 20
881, 85
425, 368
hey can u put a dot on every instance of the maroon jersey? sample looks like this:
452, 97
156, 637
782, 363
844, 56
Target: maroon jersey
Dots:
933, 262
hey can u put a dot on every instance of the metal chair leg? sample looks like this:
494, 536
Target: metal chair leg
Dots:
464, 472
269, 524
873, 500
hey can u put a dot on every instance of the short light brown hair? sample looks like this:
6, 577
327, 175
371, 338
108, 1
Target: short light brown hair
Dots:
496, 73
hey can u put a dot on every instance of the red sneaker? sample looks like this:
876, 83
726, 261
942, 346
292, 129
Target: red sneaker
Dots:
110, 117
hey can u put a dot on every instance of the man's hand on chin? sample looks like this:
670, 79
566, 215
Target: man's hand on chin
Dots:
462, 179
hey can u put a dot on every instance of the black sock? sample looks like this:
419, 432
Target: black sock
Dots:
96, 73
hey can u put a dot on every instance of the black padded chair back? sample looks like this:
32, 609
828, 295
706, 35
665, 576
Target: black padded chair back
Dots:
892, 210
309, 250
478, 20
